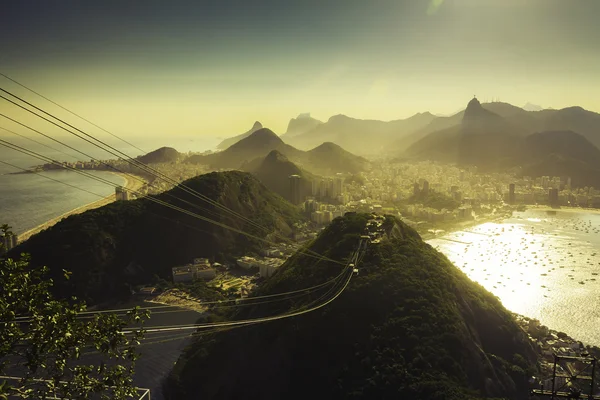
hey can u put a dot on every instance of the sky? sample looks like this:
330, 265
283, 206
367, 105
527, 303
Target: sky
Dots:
213, 67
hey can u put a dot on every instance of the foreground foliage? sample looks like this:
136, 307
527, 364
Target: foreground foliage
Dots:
43, 341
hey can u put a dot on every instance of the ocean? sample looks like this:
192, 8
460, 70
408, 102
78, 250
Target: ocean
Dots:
29, 200
542, 264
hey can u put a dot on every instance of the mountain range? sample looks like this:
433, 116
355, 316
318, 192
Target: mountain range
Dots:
300, 125
232, 140
500, 136
373, 137
360, 136
326, 159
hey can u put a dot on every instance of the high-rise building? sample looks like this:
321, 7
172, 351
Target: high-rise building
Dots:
425, 187
315, 188
545, 181
8, 242
416, 189
295, 189
121, 193
553, 196
511, 193
338, 186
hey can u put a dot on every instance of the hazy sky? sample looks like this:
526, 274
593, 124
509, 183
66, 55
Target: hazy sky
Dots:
214, 67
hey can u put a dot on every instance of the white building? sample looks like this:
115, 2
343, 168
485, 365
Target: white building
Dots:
192, 272
268, 267
122, 194
247, 262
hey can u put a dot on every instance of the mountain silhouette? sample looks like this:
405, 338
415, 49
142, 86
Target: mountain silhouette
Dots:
274, 172
229, 141
301, 124
360, 136
561, 153
331, 158
482, 138
532, 107
162, 155
249, 152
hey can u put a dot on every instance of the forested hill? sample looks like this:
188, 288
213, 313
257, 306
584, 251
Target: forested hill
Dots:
130, 242
409, 326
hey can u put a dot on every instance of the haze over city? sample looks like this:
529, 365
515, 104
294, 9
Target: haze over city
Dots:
214, 67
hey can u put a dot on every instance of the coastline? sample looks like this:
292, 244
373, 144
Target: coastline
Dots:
565, 208
130, 184
463, 225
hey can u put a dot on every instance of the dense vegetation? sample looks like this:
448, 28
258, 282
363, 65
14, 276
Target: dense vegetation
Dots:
162, 155
409, 326
434, 199
111, 248
45, 350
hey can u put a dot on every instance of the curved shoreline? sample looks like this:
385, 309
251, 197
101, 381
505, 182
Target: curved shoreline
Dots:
130, 184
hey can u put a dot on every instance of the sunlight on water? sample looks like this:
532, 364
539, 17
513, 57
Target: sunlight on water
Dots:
542, 264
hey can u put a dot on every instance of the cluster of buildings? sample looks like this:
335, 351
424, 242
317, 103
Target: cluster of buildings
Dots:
199, 268
266, 266
419, 212
554, 191
179, 171
270, 259
388, 186
329, 190
549, 344
322, 213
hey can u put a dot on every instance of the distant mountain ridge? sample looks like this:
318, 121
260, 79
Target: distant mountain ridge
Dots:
360, 136
301, 124
532, 107
499, 135
482, 138
561, 153
232, 140
326, 160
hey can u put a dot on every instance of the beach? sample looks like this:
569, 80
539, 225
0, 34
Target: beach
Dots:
130, 184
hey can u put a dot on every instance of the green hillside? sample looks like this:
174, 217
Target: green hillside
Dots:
162, 155
130, 242
328, 158
409, 326
274, 172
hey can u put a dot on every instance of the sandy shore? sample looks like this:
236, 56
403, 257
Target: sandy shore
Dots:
564, 208
130, 183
